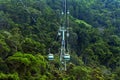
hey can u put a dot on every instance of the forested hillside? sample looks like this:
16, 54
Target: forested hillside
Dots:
28, 28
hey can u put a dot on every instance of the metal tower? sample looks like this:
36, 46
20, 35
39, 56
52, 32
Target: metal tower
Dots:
64, 34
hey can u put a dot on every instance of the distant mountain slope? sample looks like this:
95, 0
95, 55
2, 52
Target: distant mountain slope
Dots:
99, 13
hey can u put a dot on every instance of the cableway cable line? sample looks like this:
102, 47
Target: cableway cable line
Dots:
27, 10
64, 34
34, 20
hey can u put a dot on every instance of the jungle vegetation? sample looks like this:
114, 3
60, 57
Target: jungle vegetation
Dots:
29, 28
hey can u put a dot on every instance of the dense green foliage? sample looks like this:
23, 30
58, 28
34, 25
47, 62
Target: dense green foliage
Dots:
29, 28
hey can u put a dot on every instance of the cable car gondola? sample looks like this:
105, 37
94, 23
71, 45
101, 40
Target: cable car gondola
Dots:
50, 56
67, 57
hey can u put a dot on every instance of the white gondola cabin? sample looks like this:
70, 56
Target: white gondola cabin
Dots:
68, 34
50, 57
67, 57
59, 33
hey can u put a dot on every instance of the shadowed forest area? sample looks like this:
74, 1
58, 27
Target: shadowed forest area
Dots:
28, 28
